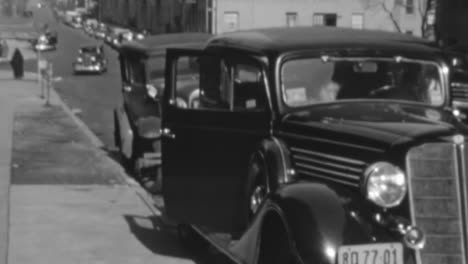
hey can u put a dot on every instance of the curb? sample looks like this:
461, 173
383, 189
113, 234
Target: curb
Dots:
5, 190
122, 175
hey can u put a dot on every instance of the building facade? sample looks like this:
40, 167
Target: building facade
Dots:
218, 16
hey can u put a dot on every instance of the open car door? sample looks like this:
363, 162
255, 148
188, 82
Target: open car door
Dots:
215, 112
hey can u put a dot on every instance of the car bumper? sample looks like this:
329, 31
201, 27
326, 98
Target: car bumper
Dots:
87, 68
43, 47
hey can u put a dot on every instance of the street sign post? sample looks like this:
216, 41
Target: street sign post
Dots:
42, 71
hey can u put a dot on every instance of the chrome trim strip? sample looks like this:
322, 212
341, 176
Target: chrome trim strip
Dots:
293, 135
308, 173
460, 104
348, 160
328, 163
344, 175
411, 202
283, 159
461, 169
459, 85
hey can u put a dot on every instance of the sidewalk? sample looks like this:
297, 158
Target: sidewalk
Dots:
64, 200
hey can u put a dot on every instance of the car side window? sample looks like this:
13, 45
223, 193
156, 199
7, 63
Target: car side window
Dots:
249, 91
187, 83
136, 72
232, 85
219, 84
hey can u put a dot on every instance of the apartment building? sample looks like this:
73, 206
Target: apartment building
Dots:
218, 16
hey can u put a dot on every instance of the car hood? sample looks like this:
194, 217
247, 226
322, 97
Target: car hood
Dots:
373, 124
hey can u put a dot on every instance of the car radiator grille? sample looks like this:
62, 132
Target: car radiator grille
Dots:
327, 167
436, 200
460, 93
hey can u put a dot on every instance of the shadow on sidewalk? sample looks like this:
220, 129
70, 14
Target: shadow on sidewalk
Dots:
163, 240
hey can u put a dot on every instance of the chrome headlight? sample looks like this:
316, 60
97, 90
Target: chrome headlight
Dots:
385, 184
79, 59
151, 90
181, 103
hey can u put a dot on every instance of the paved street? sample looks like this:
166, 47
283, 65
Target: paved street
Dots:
65, 188
94, 95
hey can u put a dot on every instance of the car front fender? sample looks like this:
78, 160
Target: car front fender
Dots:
320, 220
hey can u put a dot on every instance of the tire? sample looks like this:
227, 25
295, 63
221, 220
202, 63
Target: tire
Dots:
186, 235
151, 178
275, 247
258, 184
126, 162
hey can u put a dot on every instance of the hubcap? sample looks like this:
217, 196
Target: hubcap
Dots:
257, 198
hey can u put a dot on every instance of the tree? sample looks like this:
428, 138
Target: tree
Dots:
393, 8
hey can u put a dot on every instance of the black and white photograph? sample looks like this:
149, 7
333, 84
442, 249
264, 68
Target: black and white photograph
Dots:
234, 131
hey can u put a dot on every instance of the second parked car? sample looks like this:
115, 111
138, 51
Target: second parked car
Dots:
137, 121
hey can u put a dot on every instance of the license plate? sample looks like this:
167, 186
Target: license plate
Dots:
387, 253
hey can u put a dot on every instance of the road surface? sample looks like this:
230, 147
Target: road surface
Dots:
92, 96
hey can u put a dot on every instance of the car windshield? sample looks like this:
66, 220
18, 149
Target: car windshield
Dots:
320, 80
89, 50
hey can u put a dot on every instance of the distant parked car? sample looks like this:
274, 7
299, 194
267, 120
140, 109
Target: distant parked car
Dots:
90, 59
46, 41
120, 37
137, 120
101, 31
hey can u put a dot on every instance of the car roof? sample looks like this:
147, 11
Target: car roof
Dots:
157, 44
280, 40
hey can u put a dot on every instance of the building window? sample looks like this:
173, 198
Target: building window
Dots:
231, 21
325, 19
409, 6
291, 19
357, 21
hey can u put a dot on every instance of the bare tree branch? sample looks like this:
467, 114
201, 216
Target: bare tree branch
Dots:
391, 16
422, 7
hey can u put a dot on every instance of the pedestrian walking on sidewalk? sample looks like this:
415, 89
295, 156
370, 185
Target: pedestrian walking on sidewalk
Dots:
17, 64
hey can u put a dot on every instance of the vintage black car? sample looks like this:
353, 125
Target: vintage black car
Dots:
46, 41
137, 121
318, 145
90, 59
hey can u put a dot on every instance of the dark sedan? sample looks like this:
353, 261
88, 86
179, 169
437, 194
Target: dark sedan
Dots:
318, 145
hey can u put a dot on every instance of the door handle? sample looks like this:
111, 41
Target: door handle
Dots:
166, 132
127, 88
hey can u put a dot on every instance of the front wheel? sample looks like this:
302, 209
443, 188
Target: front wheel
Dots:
258, 184
275, 247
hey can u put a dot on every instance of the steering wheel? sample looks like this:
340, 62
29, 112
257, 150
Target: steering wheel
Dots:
381, 90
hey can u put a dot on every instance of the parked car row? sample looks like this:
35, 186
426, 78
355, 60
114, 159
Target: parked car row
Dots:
111, 35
